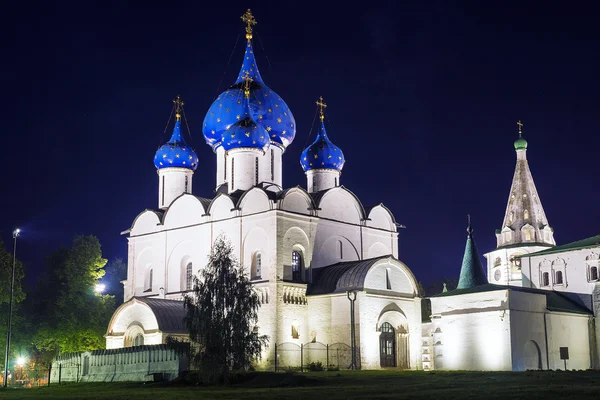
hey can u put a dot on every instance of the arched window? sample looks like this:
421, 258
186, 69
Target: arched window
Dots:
593, 262
256, 266
148, 280
188, 276
272, 165
186, 185
256, 171
545, 279
526, 214
340, 249
295, 330
497, 262
296, 266
559, 278
232, 173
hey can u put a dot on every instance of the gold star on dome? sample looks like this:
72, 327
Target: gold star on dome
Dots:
190, 157
247, 134
177, 155
164, 156
279, 120
260, 117
268, 129
316, 156
269, 110
283, 132
218, 119
237, 117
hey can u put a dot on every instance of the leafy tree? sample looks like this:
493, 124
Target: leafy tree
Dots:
70, 316
222, 313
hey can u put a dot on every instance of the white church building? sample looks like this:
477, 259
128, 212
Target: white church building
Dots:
307, 251
303, 249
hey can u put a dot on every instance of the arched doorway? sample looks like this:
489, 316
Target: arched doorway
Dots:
387, 345
532, 358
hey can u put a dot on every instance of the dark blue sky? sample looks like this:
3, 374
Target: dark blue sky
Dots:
423, 98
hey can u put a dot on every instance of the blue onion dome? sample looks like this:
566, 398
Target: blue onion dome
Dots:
245, 133
175, 153
322, 154
267, 108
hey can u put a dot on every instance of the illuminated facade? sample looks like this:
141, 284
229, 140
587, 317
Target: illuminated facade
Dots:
525, 228
303, 250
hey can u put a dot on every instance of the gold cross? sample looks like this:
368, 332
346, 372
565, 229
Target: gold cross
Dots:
322, 107
178, 107
520, 125
247, 81
249, 20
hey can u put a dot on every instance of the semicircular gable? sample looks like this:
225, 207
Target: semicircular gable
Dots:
296, 200
132, 312
335, 249
221, 207
254, 201
185, 210
340, 204
391, 274
381, 217
146, 222
255, 240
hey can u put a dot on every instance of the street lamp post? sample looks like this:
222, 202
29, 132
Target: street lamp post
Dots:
352, 297
10, 305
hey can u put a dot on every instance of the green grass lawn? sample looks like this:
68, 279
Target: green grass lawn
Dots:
346, 385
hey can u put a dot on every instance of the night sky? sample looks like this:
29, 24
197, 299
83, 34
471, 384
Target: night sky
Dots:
423, 100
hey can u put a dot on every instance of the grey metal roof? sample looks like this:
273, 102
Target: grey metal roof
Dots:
169, 314
341, 277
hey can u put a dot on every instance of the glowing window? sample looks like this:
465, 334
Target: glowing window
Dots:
256, 266
188, 277
295, 332
528, 234
296, 266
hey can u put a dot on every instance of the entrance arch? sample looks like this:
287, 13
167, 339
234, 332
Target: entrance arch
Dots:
532, 358
387, 345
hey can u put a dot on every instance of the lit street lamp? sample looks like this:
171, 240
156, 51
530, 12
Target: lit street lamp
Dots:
10, 304
100, 287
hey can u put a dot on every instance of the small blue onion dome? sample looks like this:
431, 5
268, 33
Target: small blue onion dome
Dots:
267, 108
322, 154
175, 153
245, 133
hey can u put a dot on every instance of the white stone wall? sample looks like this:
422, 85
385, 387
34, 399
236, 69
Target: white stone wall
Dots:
172, 183
576, 278
321, 179
472, 331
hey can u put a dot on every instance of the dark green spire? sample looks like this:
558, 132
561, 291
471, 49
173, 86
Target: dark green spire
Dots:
471, 272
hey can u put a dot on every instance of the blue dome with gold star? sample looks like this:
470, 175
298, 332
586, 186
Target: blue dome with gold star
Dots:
175, 153
245, 133
266, 107
322, 154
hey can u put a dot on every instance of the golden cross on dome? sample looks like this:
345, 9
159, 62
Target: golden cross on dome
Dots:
520, 125
247, 81
322, 107
178, 107
249, 20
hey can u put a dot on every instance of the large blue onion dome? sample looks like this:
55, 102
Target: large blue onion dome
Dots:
322, 154
175, 153
267, 108
245, 133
